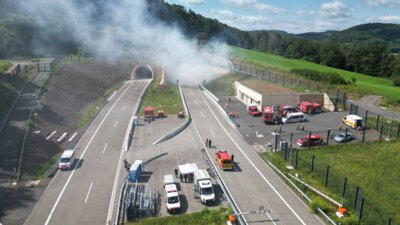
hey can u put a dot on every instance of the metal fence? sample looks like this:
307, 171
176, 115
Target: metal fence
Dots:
337, 96
341, 188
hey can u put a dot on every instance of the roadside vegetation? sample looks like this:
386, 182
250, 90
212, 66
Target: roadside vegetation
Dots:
39, 173
371, 166
92, 108
371, 84
223, 85
162, 97
205, 217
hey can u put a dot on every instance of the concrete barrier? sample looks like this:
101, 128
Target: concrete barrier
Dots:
126, 144
209, 93
182, 126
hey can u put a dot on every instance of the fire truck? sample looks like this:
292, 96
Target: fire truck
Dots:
253, 110
309, 107
271, 114
224, 160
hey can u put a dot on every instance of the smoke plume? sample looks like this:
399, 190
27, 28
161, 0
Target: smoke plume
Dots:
115, 29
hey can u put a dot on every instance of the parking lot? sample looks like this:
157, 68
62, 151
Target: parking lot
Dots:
162, 159
260, 135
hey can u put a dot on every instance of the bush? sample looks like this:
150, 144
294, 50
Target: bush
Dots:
396, 82
330, 78
318, 202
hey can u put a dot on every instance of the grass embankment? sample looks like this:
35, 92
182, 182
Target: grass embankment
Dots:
162, 97
375, 85
371, 166
205, 217
223, 85
91, 109
9, 90
39, 173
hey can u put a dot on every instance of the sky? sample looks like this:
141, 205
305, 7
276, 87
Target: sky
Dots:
295, 16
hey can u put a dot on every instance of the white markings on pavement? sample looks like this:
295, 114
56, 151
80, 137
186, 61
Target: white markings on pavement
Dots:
72, 137
202, 115
254, 166
87, 195
81, 157
123, 108
116, 122
51, 135
212, 133
104, 149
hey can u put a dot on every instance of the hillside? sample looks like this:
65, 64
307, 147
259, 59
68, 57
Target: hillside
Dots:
364, 34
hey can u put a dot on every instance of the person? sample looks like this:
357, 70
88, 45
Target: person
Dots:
298, 126
209, 143
280, 128
176, 172
233, 157
340, 126
185, 177
181, 177
302, 126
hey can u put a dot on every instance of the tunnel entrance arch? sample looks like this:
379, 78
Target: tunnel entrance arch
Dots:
141, 72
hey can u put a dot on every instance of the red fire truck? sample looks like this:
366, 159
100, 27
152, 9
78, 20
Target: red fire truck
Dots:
309, 107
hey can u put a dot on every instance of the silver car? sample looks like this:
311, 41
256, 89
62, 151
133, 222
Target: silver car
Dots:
342, 137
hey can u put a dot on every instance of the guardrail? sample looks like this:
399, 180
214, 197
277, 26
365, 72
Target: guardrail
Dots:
127, 141
182, 126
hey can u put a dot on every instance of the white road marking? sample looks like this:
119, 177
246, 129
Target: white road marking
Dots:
87, 195
123, 108
110, 207
72, 137
212, 133
202, 115
51, 135
116, 122
254, 166
81, 157
105, 147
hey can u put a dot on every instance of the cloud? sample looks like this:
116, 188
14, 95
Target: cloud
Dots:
335, 9
254, 4
122, 29
302, 12
193, 2
244, 22
387, 3
389, 19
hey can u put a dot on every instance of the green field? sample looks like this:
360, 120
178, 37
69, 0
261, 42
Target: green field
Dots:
205, 217
4, 65
162, 97
371, 166
375, 85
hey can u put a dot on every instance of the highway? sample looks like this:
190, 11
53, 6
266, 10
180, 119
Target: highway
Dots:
84, 194
254, 183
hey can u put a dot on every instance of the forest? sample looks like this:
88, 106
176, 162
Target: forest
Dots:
372, 49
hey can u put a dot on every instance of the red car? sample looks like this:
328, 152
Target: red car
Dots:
313, 140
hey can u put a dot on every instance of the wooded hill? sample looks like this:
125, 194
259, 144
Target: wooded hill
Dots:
365, 48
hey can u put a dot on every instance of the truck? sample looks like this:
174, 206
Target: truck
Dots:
203, 188
148, 113
309, 107
67, 159
171, 195
353, 121
224, 160
253, 110
271, 114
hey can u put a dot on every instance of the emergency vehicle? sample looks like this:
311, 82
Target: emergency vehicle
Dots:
353, 121
224, 160
253, 110
270, 114
309, 107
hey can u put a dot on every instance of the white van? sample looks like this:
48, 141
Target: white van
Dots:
293, 117
66, 160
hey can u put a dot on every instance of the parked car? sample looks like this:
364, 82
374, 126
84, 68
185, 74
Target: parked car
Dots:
343, 137
313, 140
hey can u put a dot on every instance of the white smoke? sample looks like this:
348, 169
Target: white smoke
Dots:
122, 28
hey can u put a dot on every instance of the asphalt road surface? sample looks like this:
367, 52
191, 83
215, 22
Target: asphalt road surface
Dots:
84, 194
253, 183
